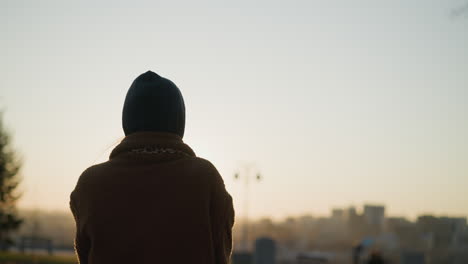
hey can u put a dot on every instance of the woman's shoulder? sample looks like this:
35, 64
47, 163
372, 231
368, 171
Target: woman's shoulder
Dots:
204, 166
93, 172
204, 163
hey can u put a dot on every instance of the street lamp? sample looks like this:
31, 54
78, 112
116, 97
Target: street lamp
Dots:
247, 176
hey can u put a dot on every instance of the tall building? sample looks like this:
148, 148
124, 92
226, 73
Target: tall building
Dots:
374, 217
338, 214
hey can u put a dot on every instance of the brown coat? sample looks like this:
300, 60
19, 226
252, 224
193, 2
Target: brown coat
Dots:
154, 201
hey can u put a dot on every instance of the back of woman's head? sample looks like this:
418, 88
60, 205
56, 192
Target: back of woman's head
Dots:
155, 104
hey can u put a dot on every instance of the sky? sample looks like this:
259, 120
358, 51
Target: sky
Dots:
335, 103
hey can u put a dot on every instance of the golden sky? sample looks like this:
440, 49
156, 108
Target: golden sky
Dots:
337, 104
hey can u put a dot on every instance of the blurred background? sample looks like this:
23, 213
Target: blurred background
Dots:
348, 119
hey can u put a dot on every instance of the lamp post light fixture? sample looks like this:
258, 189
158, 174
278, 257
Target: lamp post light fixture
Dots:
247, 176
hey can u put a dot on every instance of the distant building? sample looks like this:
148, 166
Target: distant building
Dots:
446, 231
350, 215
351, 212
392, 224
338, 214
374, 217
355, 224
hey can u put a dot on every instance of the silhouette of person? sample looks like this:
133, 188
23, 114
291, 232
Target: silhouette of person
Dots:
153, 201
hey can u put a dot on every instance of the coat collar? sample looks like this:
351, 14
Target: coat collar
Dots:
151, 139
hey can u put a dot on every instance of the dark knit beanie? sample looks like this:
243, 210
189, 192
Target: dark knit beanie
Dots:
153, 103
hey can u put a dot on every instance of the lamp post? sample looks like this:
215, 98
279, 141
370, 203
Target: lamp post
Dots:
247, 175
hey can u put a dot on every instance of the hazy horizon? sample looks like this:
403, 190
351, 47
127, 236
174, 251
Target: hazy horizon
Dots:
337, 104
273, 217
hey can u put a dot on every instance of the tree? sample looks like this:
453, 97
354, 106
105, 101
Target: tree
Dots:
9, 168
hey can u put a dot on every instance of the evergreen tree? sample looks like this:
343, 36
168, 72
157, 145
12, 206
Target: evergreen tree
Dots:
9, 180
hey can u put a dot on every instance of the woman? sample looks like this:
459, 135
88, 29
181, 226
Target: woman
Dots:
153, 201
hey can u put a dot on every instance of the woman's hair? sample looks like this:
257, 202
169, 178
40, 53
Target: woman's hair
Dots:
107, 149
